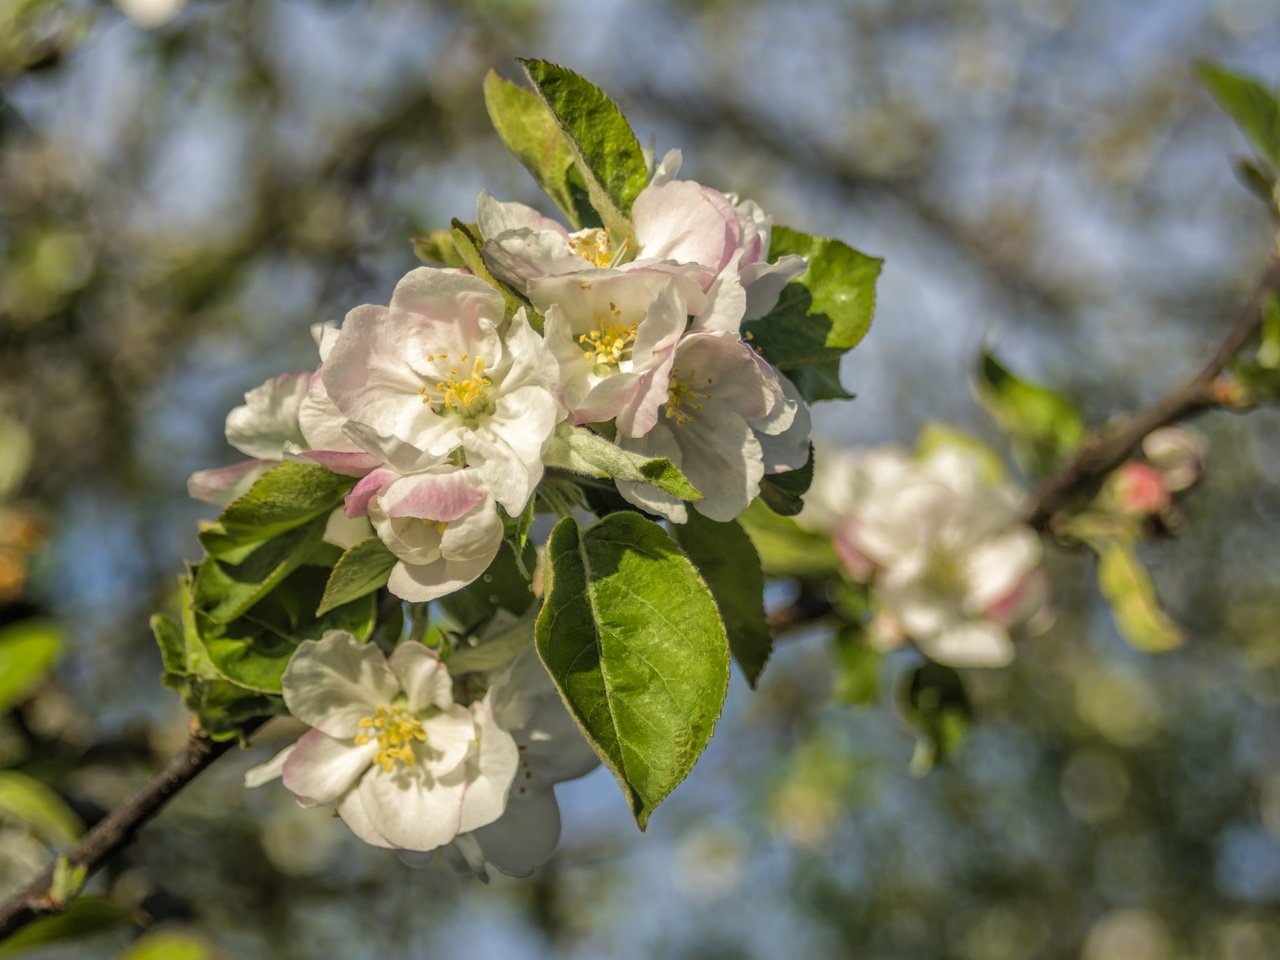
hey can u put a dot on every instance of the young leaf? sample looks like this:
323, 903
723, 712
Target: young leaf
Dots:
286, 496
580, 451
1126, 585
436, 248
361, 570
728, 563
28, 651
609, 156
1251, 105
782, 492
819, 381
31, 803
83, 917
633, 640
467, 246
531, 132
224, 591
1042, 425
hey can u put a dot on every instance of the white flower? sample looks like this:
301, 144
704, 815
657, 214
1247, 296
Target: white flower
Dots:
552, 750
612, 334
721, 402
405, 766
440, 369
952, 566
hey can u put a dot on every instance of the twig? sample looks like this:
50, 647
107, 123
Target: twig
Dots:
115, 830
1110, 446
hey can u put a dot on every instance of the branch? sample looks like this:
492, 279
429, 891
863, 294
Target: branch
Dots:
114, 831
1110, 446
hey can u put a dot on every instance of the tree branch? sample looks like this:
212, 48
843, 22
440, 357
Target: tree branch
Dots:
115, 830
1110, 446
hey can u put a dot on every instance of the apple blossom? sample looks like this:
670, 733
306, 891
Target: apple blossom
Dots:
441, 369
404, 765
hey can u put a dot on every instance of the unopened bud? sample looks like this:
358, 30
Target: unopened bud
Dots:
1138, 488
1177, 452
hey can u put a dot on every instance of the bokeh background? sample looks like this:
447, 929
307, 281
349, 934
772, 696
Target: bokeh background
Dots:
185, 188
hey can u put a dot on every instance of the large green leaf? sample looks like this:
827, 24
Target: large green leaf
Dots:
531, 132
633, 640
1254, 108
42, 811
822, 314
609, 156
728, 563
286, 496
1043, 426
28, 651
580, 451
1127, 587
361, 570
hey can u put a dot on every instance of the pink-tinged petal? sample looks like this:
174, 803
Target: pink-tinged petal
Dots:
322, 422
269, 417
764, 282
735, 376
668, 168
356, 503
423, 676
432, 496
351, 810
411, 809
333, 682
347, 464
686, 222
495, 217
266, 772
726, 304
419, 583
519, 256
223, 484
495, 768
786, 448
525, 836
321, 769
447, 295
412, 540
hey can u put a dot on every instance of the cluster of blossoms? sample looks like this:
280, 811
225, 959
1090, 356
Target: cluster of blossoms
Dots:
442, 407
952, 567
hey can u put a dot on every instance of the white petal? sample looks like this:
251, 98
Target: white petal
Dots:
269, 418
422, 676
351, 810
764, 283
525, 836
495, 768
411, 809
419, 583
266, 772
333, 682
321, 769
723, 460
221, 485
998, 564
971, 644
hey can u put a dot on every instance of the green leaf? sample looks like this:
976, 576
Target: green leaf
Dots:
608, 155
83, 917
819, 381
1043, 426
42, 811
578, 450
936, 704
172, 945
633, 640
224, 591
857, 680
466, 242
361, 570
1126, 585
787, 549
783, 492
286, 496
531, 132
28, 651
436, 248
501, 587
822, 314
1251, 105
728, 563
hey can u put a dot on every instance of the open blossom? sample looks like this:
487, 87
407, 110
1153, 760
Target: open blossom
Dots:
676, 222
402, 763
552, 750
441, 370
720, 403
952, 566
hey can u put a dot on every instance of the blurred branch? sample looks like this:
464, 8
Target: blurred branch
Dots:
115, 830
1109, 446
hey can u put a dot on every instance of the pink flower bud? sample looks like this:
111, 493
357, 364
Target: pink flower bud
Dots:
1139, 488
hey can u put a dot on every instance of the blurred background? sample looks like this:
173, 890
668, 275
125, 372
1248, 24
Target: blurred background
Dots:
185, 187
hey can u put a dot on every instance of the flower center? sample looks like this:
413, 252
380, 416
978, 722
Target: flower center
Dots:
395, 730
683, 401
611, 341
593, 246
466, 396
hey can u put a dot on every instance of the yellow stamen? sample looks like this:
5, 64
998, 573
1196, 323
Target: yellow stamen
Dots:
610, 342
468, 397
594, 247
395, 730
684, 402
